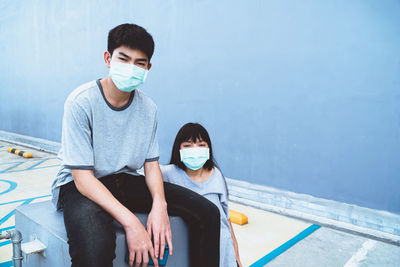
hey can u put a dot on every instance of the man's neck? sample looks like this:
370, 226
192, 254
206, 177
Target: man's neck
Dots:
114, 96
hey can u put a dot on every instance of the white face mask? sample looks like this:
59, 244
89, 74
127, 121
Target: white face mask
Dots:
194, 158
127, 77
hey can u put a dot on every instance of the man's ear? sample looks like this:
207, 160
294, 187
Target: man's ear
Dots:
149, 66
107, 59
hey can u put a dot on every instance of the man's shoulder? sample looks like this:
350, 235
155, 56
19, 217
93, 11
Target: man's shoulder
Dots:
82, 93
145, 100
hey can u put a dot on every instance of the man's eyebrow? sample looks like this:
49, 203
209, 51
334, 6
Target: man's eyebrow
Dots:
124, 55
142, 59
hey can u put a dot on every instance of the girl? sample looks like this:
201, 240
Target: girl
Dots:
193, 166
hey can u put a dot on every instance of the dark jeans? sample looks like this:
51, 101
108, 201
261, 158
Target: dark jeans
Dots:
90, 230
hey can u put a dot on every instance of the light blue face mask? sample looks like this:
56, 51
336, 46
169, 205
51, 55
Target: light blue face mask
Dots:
194, 158
127, 77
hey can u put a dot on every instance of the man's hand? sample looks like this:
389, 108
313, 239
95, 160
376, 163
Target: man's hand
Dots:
139, 245
158, 226
158, 222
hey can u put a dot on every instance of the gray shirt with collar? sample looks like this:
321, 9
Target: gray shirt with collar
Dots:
100, 137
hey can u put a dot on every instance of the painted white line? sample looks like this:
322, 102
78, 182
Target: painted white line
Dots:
361, 254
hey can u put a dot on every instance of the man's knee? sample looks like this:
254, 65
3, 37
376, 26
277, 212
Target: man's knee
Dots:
212, 212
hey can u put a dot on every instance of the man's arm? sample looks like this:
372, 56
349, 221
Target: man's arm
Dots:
138, 240
158, 221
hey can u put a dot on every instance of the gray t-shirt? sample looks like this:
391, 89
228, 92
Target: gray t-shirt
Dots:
100, 137
214, 189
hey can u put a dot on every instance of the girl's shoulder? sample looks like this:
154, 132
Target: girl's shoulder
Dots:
170, 171
167, 168
216, 183
217, 172
218, 175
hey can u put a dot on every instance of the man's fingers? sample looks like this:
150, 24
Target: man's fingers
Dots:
162, 245
131, 258
153, 257
138, 259
149, 230
169, 241
156, 243
145, 259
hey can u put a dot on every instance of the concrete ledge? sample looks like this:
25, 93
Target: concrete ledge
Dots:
41, 221
32, 142
376, 224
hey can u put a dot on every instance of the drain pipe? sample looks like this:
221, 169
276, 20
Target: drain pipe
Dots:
16, 239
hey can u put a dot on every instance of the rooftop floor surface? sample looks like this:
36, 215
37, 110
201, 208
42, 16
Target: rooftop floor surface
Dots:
268, 239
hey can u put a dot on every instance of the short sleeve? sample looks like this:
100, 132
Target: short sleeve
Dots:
152, 153
76, 144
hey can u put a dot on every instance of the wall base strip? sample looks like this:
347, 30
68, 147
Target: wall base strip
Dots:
375, 224
32, 142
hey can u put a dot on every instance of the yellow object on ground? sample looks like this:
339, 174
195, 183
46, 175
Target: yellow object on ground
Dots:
237, 217
19, 152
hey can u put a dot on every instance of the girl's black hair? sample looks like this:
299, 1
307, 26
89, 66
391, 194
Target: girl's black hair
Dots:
191, 132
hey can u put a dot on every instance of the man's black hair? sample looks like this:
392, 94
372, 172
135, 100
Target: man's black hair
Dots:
132, 36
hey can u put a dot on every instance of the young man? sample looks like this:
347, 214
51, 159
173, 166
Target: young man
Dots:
109, 132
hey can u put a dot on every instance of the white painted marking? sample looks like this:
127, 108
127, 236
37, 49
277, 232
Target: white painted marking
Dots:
361, 254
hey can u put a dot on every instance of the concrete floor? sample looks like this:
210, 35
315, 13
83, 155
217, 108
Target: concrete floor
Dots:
25, 181
328, 247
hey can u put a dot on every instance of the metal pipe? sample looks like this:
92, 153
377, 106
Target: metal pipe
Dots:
16, 239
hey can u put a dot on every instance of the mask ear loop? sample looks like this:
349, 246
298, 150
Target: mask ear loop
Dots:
145, 75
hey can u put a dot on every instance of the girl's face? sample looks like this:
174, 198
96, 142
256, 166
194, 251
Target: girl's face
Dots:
191, 144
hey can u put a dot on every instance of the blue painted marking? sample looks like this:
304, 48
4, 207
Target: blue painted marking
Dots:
13, 185
7, 216
50, 166
37, 164
5, 163
6, 264
278, 251
26, 200
11, 213
9, 168
28, 160
5, 243
44, 167
7, 228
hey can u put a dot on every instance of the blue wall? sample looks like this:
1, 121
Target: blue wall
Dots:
298, 95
